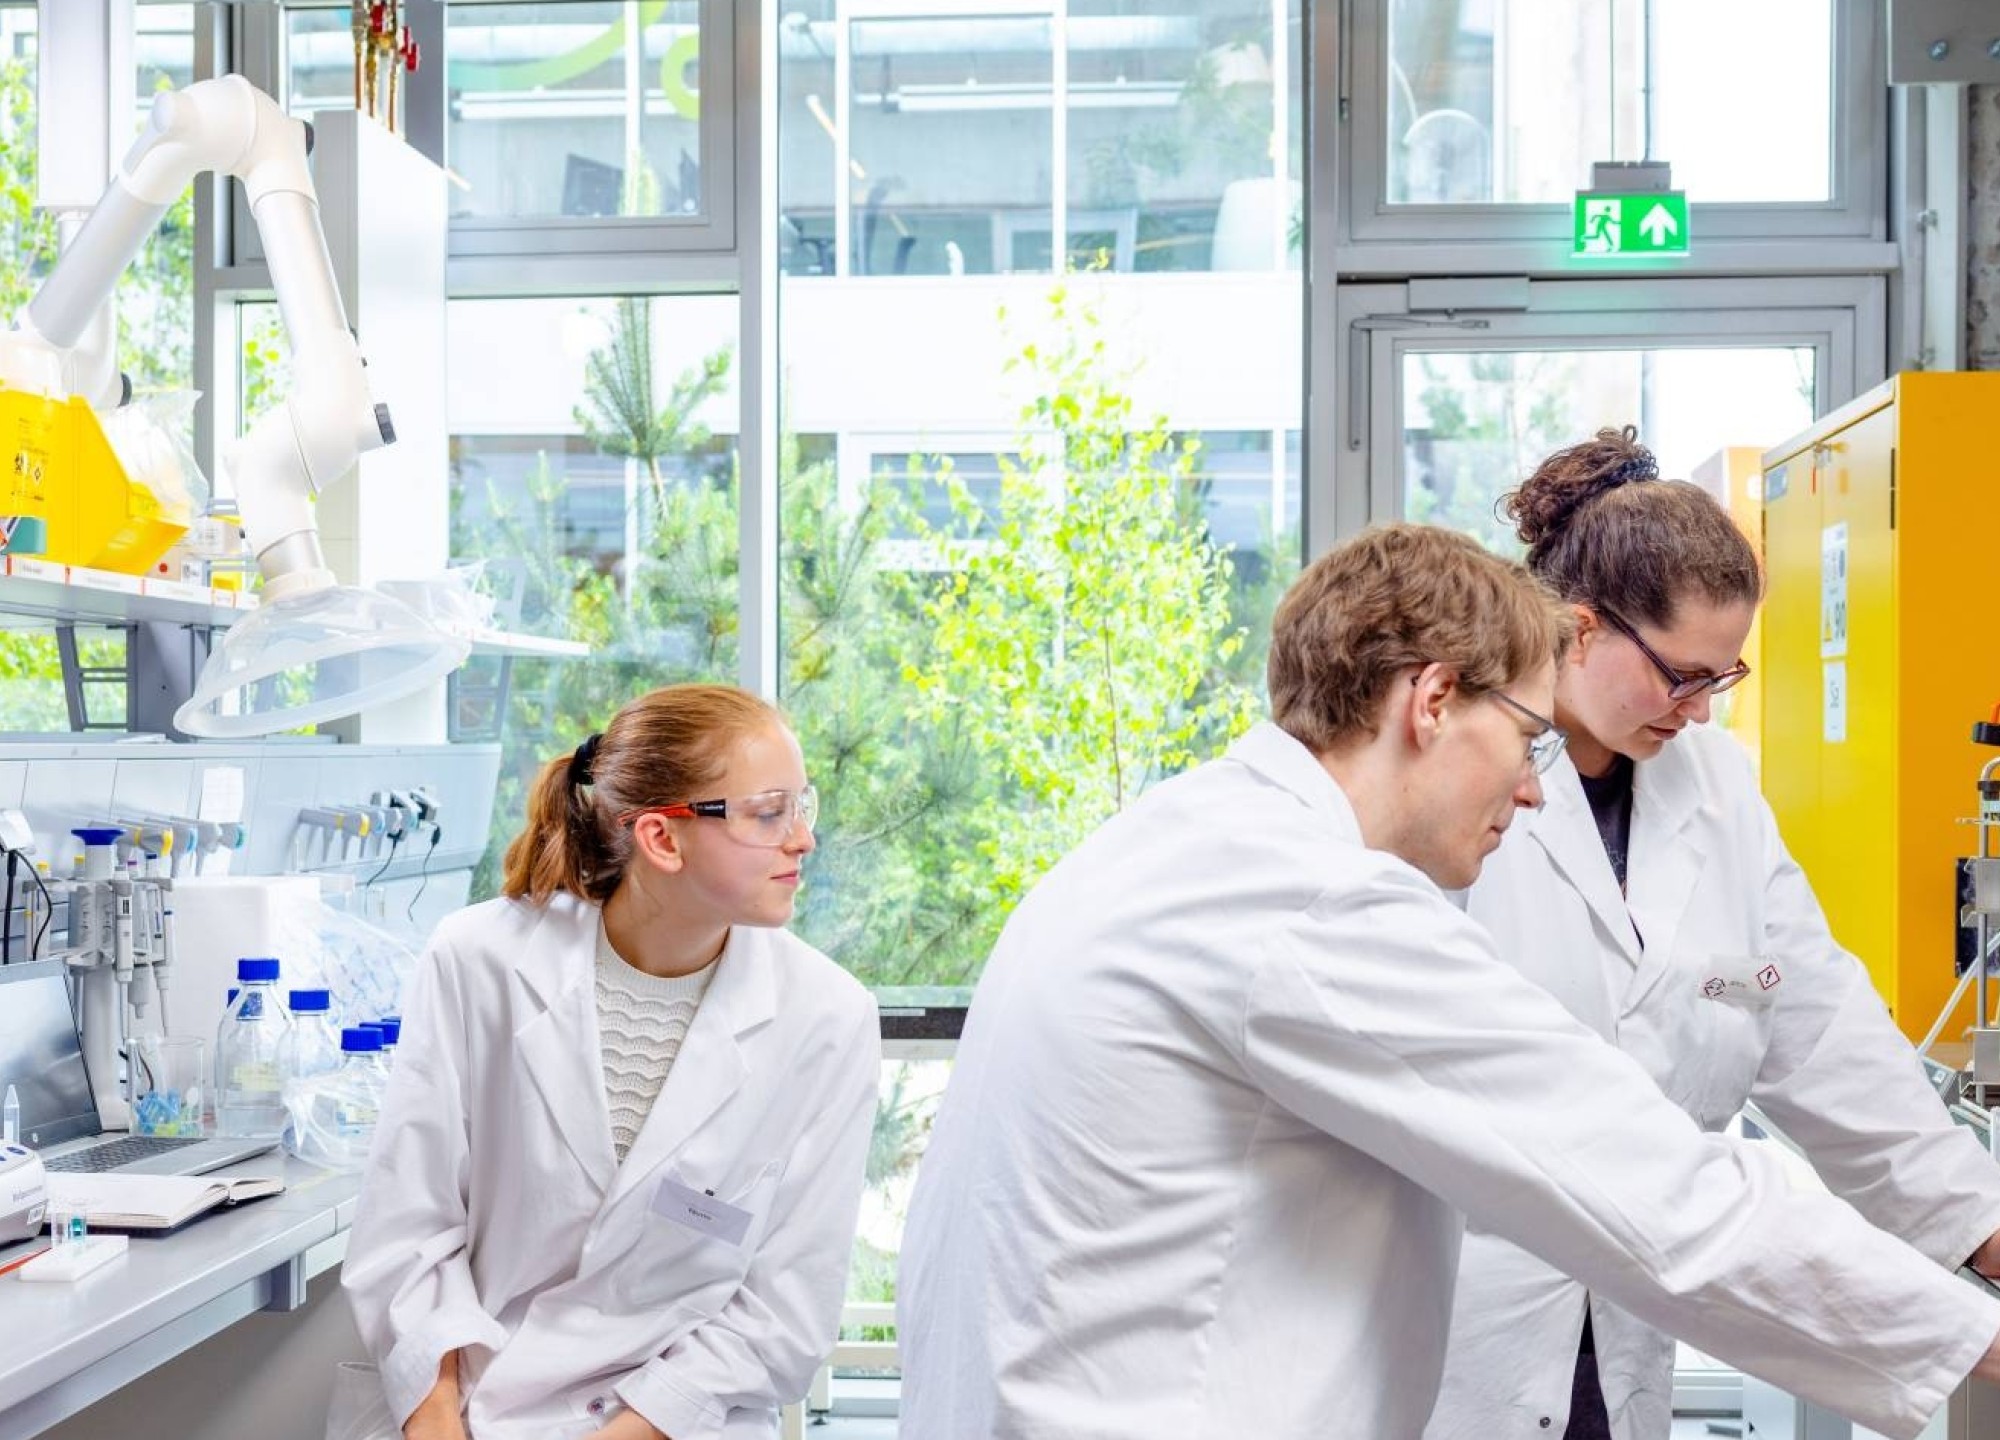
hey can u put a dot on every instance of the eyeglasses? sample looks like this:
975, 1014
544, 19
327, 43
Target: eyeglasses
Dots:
1546, 743
766, 820
1679, 686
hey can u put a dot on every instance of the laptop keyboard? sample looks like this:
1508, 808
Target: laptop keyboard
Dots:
110, 1155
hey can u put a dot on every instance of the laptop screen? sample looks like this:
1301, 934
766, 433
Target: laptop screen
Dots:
40, 1055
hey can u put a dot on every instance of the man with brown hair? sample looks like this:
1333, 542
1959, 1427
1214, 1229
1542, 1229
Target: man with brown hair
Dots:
1237, 1069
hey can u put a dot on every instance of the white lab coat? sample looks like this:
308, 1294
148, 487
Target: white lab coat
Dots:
1710, 887
495, 1218
1226, 1085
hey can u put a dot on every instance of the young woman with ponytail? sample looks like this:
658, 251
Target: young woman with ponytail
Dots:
1653, 896
614, 1184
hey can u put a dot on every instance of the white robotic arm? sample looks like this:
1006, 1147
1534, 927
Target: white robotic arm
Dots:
229, 126
315, 650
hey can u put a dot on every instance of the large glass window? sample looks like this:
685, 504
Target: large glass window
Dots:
319, 59
593, 474
1176, 157
925, 93
1039, 292
906, 1108
1476, 122
1160, 138
1473, 117
554, 110
577, 109
156, 296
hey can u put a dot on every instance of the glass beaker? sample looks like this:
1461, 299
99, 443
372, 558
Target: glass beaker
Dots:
169, 1093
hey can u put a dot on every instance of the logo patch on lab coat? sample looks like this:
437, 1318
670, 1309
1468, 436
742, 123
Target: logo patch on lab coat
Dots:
1748, 980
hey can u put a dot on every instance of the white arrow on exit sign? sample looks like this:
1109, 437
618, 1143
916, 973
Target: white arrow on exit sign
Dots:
1658, 225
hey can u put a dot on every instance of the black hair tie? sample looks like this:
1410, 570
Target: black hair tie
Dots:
582, 760
1635, 470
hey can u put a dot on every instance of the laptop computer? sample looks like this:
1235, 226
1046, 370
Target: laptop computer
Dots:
41, 1056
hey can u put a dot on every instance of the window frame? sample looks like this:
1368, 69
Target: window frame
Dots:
484, 249
566, 257
1844, 232
1848, 243
712, 231
1841, 318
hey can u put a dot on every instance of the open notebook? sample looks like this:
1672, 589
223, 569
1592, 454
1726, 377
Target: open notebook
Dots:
152, 1202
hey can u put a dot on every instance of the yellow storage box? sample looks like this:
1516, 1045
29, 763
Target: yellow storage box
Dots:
60, 471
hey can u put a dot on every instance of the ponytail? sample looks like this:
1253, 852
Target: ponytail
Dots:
560, 848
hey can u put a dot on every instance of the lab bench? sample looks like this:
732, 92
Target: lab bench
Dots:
1973, 1411
64, 1347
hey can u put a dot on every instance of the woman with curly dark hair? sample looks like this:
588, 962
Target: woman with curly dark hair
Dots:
1653, 896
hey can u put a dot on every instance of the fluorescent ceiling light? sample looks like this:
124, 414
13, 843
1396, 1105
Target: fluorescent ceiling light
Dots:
1149, 95
559, 105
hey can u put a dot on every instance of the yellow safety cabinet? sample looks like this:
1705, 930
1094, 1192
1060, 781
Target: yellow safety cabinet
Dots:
1879, 534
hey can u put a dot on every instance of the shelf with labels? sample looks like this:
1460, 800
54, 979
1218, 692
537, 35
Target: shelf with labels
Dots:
35, 593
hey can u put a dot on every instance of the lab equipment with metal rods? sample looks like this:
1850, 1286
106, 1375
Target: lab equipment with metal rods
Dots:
1980, 875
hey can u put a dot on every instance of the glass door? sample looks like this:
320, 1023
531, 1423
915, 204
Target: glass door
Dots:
1474, 422
1444, 410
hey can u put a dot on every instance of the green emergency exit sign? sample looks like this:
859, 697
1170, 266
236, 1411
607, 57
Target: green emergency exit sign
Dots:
1618, 227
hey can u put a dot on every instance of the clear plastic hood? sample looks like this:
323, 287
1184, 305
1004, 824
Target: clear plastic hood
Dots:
320, 655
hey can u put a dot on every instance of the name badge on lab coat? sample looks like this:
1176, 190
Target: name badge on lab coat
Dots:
701, 1212
1752, 981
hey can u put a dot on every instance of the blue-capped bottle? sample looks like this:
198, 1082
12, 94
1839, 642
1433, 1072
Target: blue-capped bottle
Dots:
314, 1047
311, 1051
354, 1097
391, 1027
250, 1049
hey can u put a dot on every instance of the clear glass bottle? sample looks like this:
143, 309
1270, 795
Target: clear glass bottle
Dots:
348, 1103
250, 1046
314, 1046
311, 1051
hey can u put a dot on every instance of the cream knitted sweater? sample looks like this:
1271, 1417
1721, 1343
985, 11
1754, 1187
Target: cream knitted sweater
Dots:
641, 1021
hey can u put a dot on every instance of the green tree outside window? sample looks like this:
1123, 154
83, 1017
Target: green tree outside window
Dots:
967, 718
